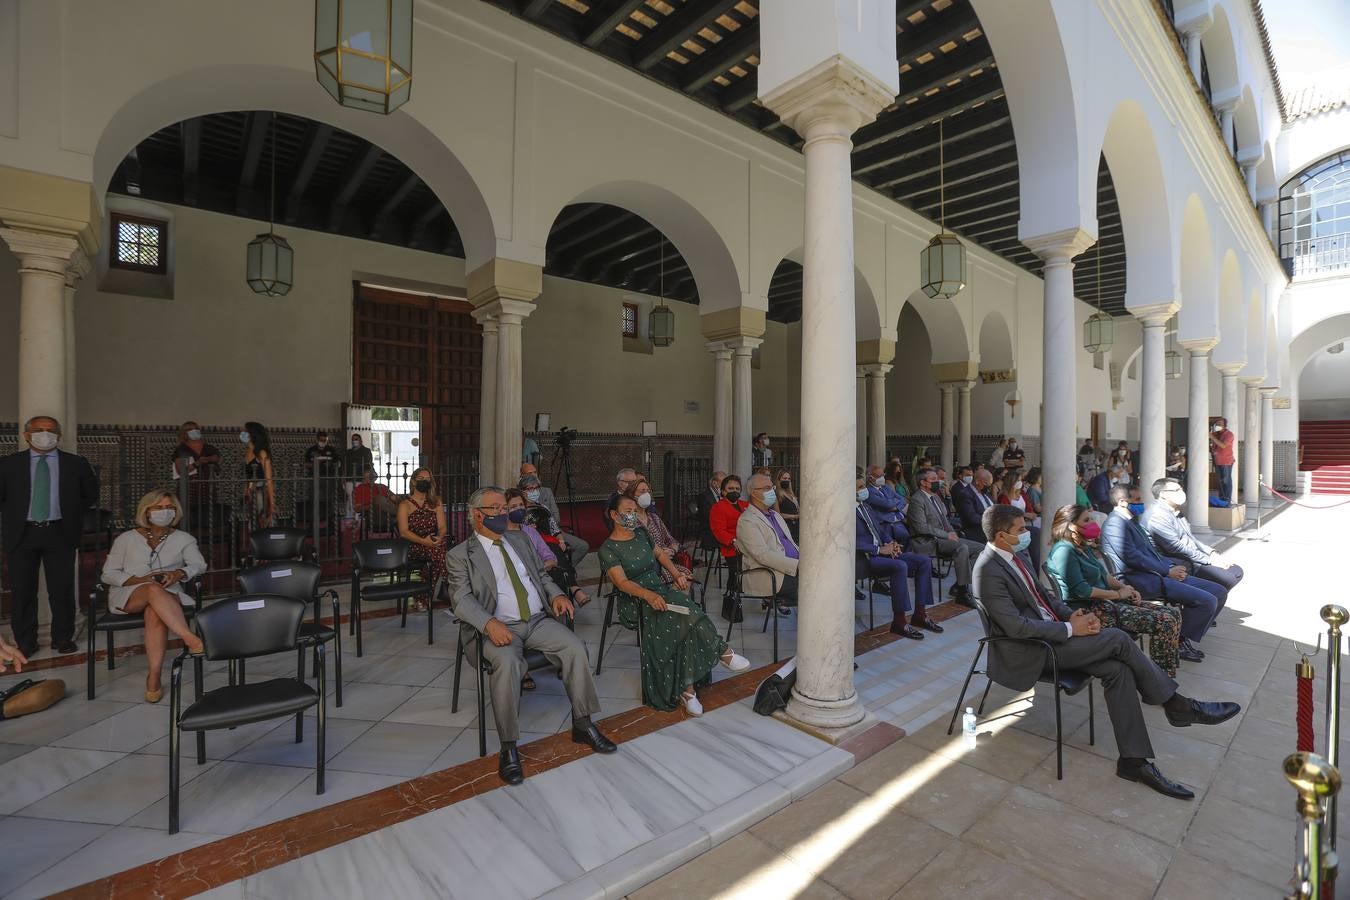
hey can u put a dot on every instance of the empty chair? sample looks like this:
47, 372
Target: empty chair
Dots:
240, 628
272, 544
387, 556
300, 580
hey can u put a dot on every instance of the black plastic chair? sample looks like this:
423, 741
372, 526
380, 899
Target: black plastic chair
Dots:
277, 544
300, 580
110, 622
240, 628
385, 556
740, 596
534, 660
1065, 681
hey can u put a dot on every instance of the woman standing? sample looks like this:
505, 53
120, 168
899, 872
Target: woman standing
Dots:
1084, 583
260, 493
145, 571
421, 522
1121, 458
680, 644
788, 505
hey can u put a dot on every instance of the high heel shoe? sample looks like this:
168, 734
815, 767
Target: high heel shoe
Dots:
153, 696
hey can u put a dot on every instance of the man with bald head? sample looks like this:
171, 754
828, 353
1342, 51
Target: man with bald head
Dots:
44, 494
538, 494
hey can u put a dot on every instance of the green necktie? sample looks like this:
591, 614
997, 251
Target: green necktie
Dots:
41, 507
522, 598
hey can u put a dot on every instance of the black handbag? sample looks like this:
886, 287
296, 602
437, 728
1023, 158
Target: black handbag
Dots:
774, 691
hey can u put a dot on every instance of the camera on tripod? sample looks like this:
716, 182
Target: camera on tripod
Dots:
565, 437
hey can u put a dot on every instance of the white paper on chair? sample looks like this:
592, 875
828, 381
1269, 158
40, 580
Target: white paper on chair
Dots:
281, 573
252, 604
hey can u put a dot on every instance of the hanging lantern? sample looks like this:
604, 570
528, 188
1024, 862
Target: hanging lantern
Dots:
363, 52
942, 264
661, 325
270, 261
1098, 333
1172, 365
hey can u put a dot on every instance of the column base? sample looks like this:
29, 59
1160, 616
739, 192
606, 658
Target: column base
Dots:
829, 720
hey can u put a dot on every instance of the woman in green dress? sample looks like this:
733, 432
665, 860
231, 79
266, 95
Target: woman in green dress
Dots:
1083, 583
680, 644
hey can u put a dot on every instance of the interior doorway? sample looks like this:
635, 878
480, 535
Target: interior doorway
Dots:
1098, 428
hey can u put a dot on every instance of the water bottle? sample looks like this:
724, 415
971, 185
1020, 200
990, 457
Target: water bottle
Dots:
968, 728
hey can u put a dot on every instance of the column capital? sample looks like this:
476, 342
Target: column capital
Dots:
719, 349
733, 322
1060, 247
880, 350
504, 279
1199, 346
1155, 315
743, 345
832, 99
486, 317
1230, 369
1252, 381
1268, 392
78, 268
508, 312
41, 251
947, 387
876, 370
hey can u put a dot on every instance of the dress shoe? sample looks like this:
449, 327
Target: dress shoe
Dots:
1202, 712
929, 625
907, 631
508, 766
1148, 774
591, 737
959, 592
1190, 654
65, 647
1187, 645
881, 586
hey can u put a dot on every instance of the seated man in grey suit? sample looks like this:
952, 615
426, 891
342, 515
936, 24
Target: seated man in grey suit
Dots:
931, 532
1172, 535
499, 588
1018, 608
766, 546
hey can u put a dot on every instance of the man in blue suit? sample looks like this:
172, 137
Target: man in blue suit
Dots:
888, 507
971, 502
1142, 567
886, 558
1099, 488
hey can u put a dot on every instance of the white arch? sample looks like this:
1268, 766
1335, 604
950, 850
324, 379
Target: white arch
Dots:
946, 331
866, 312
1220, 48
1130, 146
1247, 120
226, 88
995, 342
1198, 318
1232, 312
1314, 340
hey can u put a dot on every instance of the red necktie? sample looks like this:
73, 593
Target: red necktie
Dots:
1035, 592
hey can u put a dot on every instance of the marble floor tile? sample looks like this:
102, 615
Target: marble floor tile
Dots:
619, 683
392, 748
778, 746
125, 731
431, 706
31, 846
338, 786
10, 751
464, 748
409, 670
32, 776
371, 702
112, 851
278, 747
972, 874
697, 760
1253, 781
219, 744
1245, 840
1026, 823
224, 799
746, 862
1190, 877
112, 794
69, 716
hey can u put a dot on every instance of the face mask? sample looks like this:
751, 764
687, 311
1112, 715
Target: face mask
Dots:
496, 524
1179, 497
770, 497
422, 485
162, 517
195, 434
733, 496
532, 496
785, 484
1137, 509
1023, 542
941, 485
1090, 531
766, 442
244, 437
967, 479
1217, 428
356, 442
517, 516
43, 440
879, 481
862, 495
1017, 487
644, 500
1012, 446
628, 520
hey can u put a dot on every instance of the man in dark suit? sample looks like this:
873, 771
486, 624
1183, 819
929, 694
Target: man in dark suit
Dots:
1099, 488
888, 507
706, 501
886, 558
1138, 563
44, 493
1018, 608
971, 504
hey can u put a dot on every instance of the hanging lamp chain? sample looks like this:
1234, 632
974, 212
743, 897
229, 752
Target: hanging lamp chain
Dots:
662, 288
272, 191
942, 178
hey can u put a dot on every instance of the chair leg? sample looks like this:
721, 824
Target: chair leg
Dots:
459, 660
969, 674
89, 661
1092, 719
431, 609
300, 677
482, 708
197, 670
988, 683
321, 735
112, 657
337, 664
604, 629
1059, 740
173, 776
775, 630
356, 622
403, 612
871, 604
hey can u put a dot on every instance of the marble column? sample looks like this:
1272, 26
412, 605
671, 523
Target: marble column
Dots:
1251, 444
1268, 438
43, 261
948, 427
721, 406
1152, 393
1249, 176
743, 406
1197, 434
1231, 410
861, 415
487, 415
79, 267
1059, 455
826, 104
1193, 55
511, 315
1268, 212
876, 412
1226, 131
963, 424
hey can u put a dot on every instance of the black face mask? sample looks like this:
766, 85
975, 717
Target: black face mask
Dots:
422, 485
733, 496
517, 516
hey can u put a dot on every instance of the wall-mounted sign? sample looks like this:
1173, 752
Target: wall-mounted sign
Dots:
691, 407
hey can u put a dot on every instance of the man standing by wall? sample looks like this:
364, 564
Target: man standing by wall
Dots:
44, 493
1222, 443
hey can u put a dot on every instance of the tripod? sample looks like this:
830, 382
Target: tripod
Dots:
563, 454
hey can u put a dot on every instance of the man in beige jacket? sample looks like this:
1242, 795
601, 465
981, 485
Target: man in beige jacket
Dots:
768, 553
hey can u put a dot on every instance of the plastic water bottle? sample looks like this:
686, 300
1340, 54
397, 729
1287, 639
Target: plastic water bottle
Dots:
968, 728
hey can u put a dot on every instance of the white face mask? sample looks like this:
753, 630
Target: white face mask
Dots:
244, 438
162, 517
967, 479
43, 440
1217, 428
1017, 487
879, 481
195, 434
770, 497
644, 500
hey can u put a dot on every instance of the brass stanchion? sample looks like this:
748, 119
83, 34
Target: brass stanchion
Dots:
1335, 616
1315, 866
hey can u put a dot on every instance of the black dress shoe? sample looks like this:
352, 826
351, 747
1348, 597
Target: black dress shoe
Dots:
959, 592
1202, 712
591, 736
881, 586
1190, 654
1187, 645
907, 631
1148, 774
508, 766
66, 647
929, 625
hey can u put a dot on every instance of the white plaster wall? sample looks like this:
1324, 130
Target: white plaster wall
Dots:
1324, 387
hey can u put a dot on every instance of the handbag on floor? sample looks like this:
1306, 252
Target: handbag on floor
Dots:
29, 696
774, 691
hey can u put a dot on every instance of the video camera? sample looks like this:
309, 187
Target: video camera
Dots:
565, 436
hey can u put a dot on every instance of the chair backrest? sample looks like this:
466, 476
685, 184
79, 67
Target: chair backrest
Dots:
250, 625
384, 555
277, 543
1049, 578
299, 580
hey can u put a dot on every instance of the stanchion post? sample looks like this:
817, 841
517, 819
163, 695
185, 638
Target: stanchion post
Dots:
1335, 616
1314, 866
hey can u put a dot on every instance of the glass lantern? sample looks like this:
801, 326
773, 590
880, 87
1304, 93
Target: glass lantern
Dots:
271, 265
363, 52
1098, 333
942, 266
661, 325
1172, 365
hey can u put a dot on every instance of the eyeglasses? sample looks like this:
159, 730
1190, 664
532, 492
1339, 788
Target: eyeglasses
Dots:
499, 508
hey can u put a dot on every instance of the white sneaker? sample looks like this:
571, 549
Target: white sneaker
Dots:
691, 704
737, 663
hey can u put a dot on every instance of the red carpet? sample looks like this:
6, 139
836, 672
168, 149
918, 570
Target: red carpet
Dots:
1326, 454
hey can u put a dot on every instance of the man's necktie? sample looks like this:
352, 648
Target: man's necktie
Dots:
522, 598
1035, 591
40, 509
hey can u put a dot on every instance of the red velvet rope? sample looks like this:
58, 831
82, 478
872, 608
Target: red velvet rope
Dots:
1304, 672
1301, 503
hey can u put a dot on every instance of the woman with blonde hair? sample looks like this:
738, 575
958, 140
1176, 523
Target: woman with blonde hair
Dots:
145, 571
421, 522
